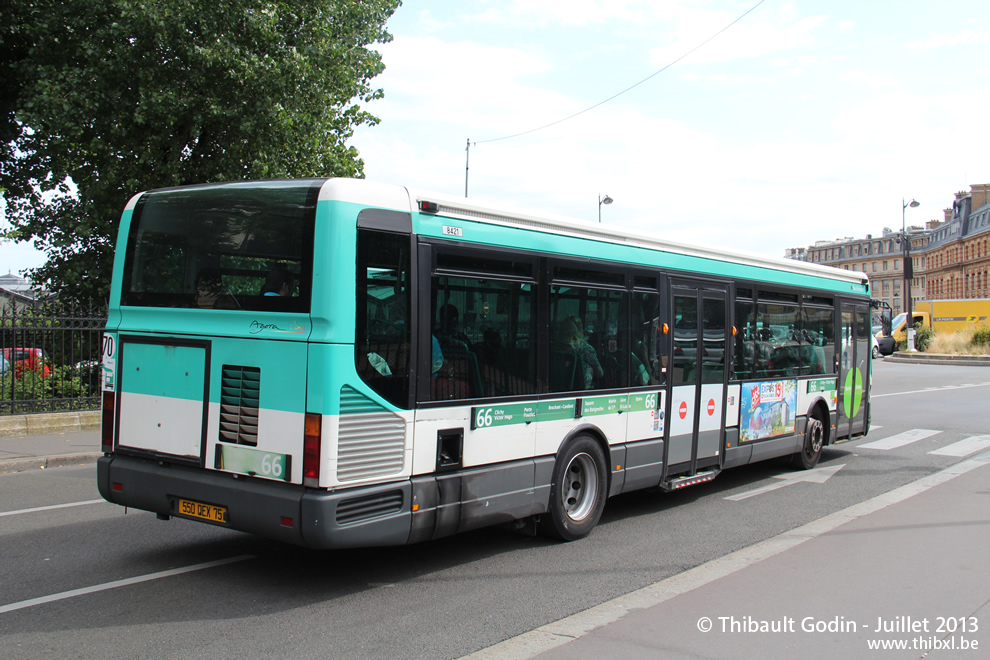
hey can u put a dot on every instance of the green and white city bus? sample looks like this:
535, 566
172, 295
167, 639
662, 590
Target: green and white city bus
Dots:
339, 363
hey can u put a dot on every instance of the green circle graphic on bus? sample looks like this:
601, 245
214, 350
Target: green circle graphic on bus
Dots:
852, 392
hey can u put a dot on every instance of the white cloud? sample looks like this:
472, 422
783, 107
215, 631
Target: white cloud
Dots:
868, 79
964, 37
758, 35
817, 136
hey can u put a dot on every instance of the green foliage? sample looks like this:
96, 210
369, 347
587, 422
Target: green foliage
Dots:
923, 337
981, 337
62, 383
102, 99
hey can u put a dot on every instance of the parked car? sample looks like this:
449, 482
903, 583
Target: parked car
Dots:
28, 359
885, 344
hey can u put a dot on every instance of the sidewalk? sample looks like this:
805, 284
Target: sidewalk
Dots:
28, 452
901, 575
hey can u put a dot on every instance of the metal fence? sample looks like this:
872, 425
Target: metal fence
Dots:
50, 358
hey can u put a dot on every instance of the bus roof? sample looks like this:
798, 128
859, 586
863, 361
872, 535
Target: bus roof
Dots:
401, 198
458, 207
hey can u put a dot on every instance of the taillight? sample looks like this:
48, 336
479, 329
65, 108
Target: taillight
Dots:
311, 449
106, 424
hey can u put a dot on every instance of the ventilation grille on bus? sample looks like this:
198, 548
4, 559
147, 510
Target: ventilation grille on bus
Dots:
239, 400
370, 506
371, 441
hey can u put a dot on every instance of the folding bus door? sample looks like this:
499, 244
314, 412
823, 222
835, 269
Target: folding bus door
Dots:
698, 379
854, 368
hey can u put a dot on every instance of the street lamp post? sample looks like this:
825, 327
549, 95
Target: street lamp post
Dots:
906, 250
603, 200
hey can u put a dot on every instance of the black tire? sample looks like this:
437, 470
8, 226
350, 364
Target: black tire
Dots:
814, 439
876, 352
577, 492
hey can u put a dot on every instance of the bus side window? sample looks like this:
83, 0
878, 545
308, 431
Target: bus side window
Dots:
646, 366
484, 328
591, 325
382, 334
746, 353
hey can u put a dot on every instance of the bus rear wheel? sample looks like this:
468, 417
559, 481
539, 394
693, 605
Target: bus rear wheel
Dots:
577, 492
814, 438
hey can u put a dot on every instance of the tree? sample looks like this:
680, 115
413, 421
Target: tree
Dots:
101, 99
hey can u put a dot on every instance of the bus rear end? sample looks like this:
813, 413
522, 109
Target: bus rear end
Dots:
207, 358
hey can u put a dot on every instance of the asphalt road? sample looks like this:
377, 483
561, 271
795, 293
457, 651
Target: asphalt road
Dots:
91, 580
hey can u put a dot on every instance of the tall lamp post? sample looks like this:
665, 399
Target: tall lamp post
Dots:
603, 200
906, 250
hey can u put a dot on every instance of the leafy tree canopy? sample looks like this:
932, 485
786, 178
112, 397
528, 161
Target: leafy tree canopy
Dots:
100, 99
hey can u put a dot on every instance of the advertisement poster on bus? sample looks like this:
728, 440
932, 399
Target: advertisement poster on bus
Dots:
767, 409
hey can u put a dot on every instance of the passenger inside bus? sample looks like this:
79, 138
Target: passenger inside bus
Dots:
278, 283
460, 377
571, 334
450, 325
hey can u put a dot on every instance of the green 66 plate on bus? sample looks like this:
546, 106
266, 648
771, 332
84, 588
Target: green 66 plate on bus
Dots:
821, 385
254, 462
545, 411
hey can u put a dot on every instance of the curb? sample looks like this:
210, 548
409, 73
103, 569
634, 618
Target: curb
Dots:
940, 358
49, 423
45, 462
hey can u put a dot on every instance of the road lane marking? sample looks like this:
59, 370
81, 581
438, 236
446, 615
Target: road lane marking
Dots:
816, 476
138, 579
964, 447
899, 440
929, 390
560, 632
49, 508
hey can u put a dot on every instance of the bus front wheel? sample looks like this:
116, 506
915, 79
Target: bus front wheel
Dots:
577, 492
814, 438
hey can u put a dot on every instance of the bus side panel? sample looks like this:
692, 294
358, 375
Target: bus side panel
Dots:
482, 446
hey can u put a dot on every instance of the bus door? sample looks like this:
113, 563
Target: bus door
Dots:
698, 379
853, 368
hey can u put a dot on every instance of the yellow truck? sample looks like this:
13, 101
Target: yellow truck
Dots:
952, 315
942, 316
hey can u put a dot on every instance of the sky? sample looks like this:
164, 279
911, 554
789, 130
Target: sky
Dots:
803, 121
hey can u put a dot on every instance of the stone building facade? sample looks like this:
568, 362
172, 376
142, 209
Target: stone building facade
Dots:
950, 258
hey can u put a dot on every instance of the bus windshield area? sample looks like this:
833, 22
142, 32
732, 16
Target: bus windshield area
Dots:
245, 246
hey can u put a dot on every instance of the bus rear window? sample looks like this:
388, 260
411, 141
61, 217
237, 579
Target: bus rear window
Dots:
228, 246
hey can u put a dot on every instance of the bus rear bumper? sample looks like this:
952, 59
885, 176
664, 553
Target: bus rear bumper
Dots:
357, 517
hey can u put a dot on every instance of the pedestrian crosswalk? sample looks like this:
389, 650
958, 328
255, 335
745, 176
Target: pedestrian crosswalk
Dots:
899, 440
959, 449
964, 447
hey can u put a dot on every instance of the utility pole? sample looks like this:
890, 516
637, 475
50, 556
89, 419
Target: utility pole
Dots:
467, 160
